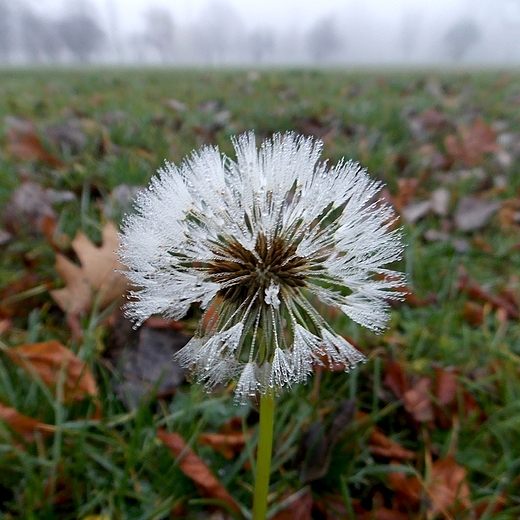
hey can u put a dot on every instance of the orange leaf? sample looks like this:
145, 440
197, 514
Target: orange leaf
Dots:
226, 443
28, 147
477, 292
195, 468
448, 487
47, 360
382, 513
473, 313
382, 446
25, 426
417, 400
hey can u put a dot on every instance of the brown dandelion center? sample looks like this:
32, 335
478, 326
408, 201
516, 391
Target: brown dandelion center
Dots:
252, 272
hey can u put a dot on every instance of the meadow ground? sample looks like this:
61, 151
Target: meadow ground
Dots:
87, 432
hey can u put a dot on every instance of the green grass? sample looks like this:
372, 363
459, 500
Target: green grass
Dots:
114, 464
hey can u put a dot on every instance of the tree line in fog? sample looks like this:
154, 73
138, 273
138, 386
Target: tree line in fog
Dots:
82, 34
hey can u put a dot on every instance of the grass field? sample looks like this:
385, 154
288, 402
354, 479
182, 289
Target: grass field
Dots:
436, 428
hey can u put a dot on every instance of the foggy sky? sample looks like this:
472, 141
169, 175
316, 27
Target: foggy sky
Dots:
220, 32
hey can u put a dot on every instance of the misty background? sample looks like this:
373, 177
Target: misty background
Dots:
220, 32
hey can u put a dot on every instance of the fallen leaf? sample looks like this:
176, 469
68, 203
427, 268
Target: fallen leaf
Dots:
408, 488
96, 278
448, 488
301, 508
47, 359
509, 214
69, 136
395, 378
12, 299
145, 358
229, 444
416, 211
25, 426
382, 446
195, 468
452, 399
26, 146
477, 292
429, 122
175, 104
333, 507
5, 325
471, 144
5, 237
417, 400
383, 513
318, 442
473, 213
27, 209
440, 201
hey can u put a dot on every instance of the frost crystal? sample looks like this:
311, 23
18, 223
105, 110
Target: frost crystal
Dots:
255, 242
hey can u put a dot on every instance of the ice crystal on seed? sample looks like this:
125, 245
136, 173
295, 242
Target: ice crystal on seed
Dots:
255, 241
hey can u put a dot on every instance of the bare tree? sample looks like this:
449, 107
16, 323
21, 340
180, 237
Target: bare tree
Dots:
217, 33
160, 32
322, 40
40, 41
82, 36
461, 37
260, 43
6, 32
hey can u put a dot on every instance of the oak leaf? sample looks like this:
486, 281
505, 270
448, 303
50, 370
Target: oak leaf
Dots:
97, 279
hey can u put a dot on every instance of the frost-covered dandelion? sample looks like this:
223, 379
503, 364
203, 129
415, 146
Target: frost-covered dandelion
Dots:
255, 242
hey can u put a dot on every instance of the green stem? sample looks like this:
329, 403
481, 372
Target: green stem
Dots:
263, 457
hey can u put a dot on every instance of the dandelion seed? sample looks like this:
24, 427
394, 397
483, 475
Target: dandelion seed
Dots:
257, 240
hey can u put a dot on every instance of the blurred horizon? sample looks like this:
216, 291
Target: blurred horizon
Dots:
229, 32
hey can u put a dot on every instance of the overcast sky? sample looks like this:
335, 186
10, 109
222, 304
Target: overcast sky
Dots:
260, 12
370, 31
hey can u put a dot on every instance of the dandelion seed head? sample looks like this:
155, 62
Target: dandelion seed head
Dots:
256, 242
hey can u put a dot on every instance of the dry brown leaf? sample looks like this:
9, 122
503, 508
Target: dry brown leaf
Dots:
195, 468
382, 446
96, 278
471, 144
10, 304
477, 292
383, 513
301, 508
47, 360
417, 400
509, 214
395, 378
448, 488
25, 426
226, 443
26, 146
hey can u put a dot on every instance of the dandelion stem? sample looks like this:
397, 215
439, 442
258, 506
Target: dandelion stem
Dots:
263, 457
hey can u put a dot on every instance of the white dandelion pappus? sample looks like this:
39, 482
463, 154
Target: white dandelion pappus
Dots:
255, 241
